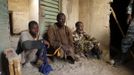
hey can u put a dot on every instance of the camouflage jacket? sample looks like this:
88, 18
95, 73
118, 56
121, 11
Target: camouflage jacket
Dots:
84, 42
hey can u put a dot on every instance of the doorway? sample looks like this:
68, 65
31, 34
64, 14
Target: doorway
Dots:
23, 11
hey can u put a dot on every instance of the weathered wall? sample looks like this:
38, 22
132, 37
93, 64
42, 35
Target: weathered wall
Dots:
4, 27
93, 13
23, 12
71, 10
20, 9
34, 10
95, 16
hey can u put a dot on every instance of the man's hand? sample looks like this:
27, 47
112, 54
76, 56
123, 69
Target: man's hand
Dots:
129, 19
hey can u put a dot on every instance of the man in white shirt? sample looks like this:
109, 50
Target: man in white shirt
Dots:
29, 43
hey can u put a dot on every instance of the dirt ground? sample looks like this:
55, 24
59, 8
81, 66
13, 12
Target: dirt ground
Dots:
83, 67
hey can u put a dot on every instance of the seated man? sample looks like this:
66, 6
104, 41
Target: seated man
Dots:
29, 43
60, 37
84, 43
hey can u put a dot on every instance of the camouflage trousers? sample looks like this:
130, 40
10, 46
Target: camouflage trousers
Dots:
128, 40
83, 46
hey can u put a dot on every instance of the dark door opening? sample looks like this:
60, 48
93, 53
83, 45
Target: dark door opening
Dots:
11, 22
120, 8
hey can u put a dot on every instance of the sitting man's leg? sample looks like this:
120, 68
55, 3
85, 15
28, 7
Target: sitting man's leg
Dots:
97, 52
127, 43
29, 56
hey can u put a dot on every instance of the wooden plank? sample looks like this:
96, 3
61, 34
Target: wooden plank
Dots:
11, 70
49, 5
17, 66
50, 17
55, 2
50, 8
13, 61
50, 20
50, 13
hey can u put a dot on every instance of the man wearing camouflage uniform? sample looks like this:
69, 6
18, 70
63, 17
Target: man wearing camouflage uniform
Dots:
127, 41
84, 43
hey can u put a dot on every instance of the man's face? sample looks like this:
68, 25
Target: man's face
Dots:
61, 19
80, 27
34, 29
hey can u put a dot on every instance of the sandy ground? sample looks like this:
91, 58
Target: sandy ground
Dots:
83, 67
